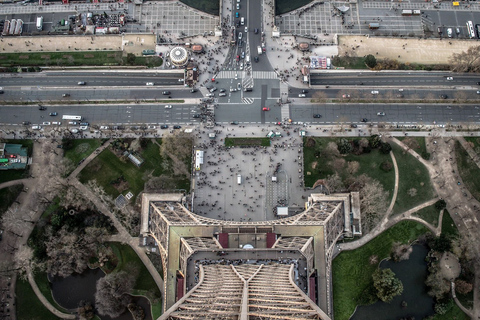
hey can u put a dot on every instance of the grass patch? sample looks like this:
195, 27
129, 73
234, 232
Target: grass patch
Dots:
352, 271
28, 306
107, 168
8, 196
144, 283
412, 174
417, 144
208, 6
448, 226
44, 286
249, 142
319, 166
284, 6
77, 58
349, 62
455, 313
429, 214
475, 143
468, 170
79, 149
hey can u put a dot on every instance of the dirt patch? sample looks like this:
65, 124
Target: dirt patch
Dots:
121, 186
449, 266
314, 164
424, 51
23, 57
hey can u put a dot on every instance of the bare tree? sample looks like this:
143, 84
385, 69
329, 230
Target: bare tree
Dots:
68, 252
466, 61
401, 251
112, 295
178, 148
334, 183
352, 167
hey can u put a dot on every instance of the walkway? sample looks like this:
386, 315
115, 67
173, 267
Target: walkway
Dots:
395, 190
44, 300
15, 182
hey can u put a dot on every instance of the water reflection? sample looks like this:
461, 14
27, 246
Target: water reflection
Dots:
69, 291
412, 273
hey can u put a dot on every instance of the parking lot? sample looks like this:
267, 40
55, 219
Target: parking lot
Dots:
236, 183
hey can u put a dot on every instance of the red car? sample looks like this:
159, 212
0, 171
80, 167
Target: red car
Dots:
238, 58
266, 109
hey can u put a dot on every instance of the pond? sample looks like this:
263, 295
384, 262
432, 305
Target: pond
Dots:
412, 273
84, 289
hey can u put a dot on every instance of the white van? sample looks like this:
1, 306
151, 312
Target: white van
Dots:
247, 59
239, 179
242, 21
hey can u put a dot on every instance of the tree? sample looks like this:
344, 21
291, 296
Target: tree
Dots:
388, 286
334, 183
85, 310
401, 251
112, 295
385, 147
440, 204
463, 287
131, 58
68, 252
344, 146
466, 61
370, 61
442, 243
375, 141
331, 150
352, 167
437, 284
386, 166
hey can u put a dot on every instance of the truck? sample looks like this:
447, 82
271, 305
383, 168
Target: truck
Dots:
259, 50
39, 23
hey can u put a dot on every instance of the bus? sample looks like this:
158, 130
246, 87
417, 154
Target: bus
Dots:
66, 117
407, 12
471, 31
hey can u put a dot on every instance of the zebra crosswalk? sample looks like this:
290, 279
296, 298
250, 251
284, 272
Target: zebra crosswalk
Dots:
228, 74
247, 100
264, 75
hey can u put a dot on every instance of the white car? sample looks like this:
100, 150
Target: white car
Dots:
246, 29
150, 83
46, 123
83, 128
380, 113
57, 123
301, 95
375, 92
168, 106
73, 123
449, 78
238, 6
236, 76
180, 80
74, 131
103, 127
210, 95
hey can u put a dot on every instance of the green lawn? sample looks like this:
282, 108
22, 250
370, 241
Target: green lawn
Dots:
44, 286
476, 143
468, 170
429, 214
349, 62
369, 164
28, 306
235, 142
107, 167
81, 148
352, 272
284, 6
208, 6
8, 196
145, 284
77, 58
455, 313
416, 143
412, 174
448, 226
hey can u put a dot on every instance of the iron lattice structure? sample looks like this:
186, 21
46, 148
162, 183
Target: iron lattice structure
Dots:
242, 291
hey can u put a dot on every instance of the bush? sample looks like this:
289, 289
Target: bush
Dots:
426, 155
67, 143
345, 146
385, 148
386, 166
370, 61
374, 141
440, 204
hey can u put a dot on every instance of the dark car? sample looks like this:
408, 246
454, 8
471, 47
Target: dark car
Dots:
42, 108
222, 90
53, 114
234, 122
66, 95
353, 125
177, 127
443, 96
165, 93
26, 123
317, 115
304, 91
193, 90
256, 59
196, 116
364, 120
164, 126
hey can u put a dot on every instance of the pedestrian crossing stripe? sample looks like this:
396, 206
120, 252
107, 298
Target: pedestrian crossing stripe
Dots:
247, 100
